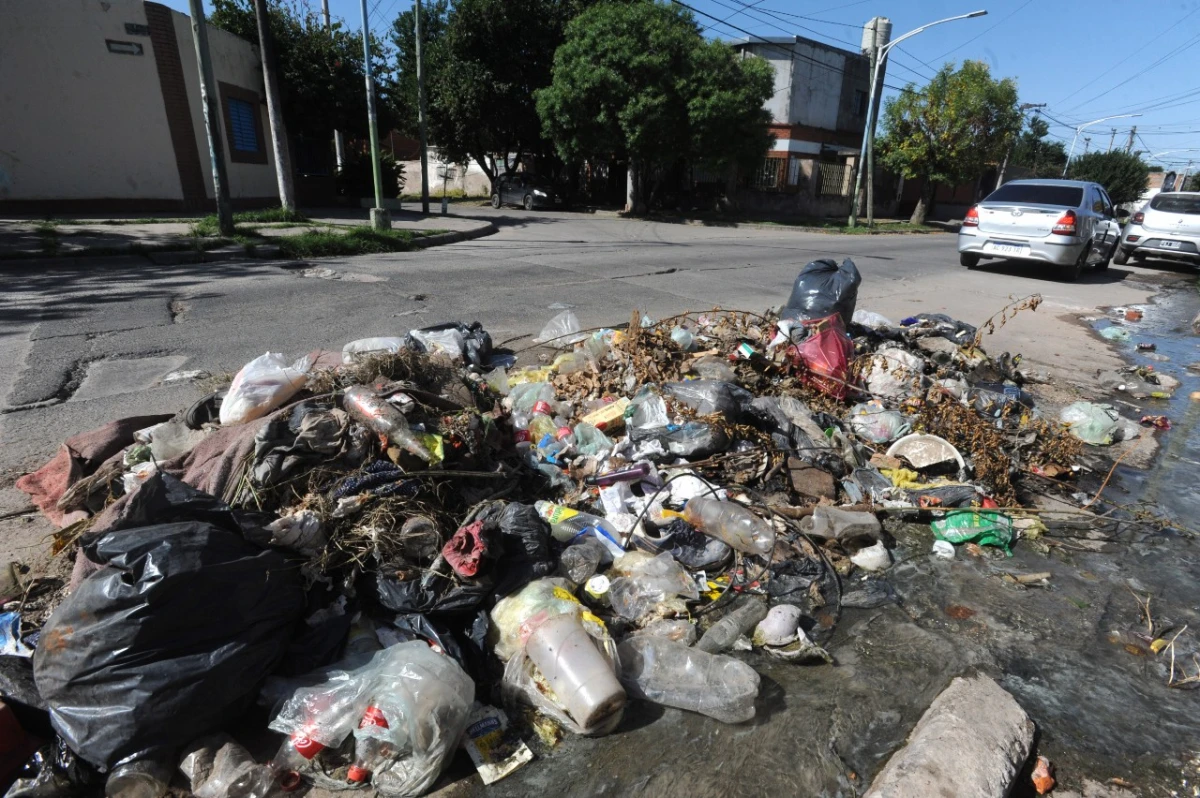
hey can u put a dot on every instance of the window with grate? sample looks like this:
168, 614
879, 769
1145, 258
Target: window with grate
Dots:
242, 128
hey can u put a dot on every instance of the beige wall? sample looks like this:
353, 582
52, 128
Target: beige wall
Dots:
235, 61
77, 121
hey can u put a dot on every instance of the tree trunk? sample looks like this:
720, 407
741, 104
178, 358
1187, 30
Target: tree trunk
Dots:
636, 200
924, 203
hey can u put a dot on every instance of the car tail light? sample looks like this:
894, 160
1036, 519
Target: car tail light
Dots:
972, 218
1131, 239
1139, 217
1065, 226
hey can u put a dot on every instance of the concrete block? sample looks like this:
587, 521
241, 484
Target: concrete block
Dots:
973, 740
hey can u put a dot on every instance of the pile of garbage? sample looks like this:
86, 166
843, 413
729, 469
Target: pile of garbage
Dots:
414, 544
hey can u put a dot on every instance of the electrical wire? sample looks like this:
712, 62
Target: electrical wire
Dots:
986, 31
1162, 59
790, 51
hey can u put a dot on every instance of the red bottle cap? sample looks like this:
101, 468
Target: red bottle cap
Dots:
305, 747
358, 774
290, 780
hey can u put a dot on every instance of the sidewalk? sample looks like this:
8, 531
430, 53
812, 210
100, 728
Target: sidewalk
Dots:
174, 240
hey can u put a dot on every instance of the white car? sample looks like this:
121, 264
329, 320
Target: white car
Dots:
1168, 226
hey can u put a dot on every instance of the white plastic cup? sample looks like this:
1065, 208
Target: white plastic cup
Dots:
577, 672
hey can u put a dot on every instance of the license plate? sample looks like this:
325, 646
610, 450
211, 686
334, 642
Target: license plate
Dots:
1007, 249
1169, 244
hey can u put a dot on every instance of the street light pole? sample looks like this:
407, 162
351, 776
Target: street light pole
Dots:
380, 219
208, 102
869, 132
1079, 130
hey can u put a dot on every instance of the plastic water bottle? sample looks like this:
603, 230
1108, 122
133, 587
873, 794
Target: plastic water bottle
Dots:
672, 674
370, 752
741, 619
732, 523
831, 523
377, 415
567, 524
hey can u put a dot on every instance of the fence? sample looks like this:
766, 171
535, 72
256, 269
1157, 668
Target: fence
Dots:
834, 180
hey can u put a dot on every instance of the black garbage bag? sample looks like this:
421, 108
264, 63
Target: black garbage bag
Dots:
440, 593
942, 325
172, 637
693, 441
525, 549
823, 288
712, 396
53, 772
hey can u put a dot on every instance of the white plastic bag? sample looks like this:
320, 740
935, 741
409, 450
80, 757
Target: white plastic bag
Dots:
450, 343
1091, 423
894, 373
561, 331
875, 423
870, 319
371, 346
263, 384
651, 586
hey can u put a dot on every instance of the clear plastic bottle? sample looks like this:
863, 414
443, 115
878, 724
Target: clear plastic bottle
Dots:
672, 674
732, 523
364, 406
721, 636
567, 524
370, 752
141, 779
831, 523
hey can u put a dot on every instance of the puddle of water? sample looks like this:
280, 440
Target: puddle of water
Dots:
1170, 483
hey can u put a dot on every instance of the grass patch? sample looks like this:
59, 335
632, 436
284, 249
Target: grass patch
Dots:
210, 226
359, 241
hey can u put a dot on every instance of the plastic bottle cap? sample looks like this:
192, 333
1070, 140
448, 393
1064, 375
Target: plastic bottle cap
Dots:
306, 747
290, 780
358, 774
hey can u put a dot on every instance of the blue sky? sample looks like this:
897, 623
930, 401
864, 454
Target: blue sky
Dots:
1085, 60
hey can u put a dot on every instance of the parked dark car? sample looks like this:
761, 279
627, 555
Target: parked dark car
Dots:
527, 191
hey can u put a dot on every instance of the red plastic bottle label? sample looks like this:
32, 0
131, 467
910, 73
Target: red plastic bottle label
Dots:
562, 432
542, 407
373, 717
522, 435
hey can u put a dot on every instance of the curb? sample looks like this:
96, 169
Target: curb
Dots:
785, 228
455, 236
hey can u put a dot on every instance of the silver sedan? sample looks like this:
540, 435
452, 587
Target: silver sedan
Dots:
1069, 224
1167, 227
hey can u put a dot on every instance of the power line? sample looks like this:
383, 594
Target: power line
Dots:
1144, 70
734, 14
785, 50
1132, 54
986, 31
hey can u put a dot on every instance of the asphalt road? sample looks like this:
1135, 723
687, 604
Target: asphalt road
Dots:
84, 341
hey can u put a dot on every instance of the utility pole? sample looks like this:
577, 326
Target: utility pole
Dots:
1129, 144
1004, 164
216, 150
380, 219
279, 142
337, 134
1112, 139
421, 110
881, 34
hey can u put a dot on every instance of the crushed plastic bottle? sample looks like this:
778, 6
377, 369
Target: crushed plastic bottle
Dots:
672, 674
832, 523
143, 778
741, 619
732, 523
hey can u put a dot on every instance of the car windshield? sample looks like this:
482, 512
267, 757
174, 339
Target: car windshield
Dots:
1063, 196
1177, 203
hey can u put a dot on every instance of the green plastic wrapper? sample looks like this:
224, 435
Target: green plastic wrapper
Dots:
987, 528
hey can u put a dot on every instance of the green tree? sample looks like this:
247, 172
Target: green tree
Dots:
320, 75
1122, 174
1035, 153
951, 130
637, 81
484, 61
1193, 183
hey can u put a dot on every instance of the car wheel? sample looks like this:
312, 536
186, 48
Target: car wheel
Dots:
1121, 256
528, 202
968, 259
495, 200
1103, 265
1071, 273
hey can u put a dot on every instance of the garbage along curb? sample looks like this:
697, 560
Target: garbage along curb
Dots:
454, 237
973, 740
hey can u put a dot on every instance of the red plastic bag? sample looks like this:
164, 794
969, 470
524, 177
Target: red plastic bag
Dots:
823, 358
